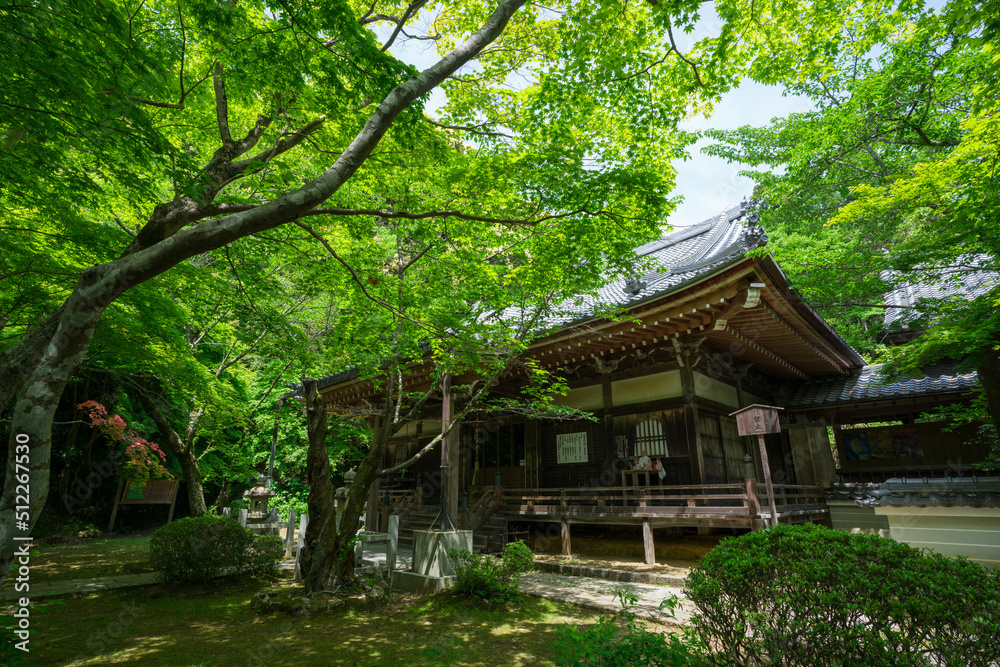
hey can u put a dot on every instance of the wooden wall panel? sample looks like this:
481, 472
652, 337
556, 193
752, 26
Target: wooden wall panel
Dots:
732, 447
711, 446
592, 473
677, 465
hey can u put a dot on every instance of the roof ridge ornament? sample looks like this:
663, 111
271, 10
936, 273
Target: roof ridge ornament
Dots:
634, 285
753, 235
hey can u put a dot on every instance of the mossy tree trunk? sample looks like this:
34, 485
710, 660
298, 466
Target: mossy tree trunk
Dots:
327, 559
989, 377
182, 448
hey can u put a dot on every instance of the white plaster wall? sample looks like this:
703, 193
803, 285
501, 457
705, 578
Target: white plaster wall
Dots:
973, 532
583, 398
846, 515
647, 388
712, 389
409, 428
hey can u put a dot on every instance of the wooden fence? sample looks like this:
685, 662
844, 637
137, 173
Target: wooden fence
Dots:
710, 505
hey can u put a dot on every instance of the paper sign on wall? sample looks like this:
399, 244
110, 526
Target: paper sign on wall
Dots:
571, 448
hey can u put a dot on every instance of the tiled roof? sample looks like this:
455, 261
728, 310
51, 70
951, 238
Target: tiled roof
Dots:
681, 257
921, 492
968, 283
869, 385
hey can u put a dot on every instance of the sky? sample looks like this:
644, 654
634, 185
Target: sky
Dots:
707, 184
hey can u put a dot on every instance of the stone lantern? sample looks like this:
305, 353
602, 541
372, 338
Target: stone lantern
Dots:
259, 518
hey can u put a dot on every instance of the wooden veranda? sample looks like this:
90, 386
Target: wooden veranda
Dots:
705, 505
739, 506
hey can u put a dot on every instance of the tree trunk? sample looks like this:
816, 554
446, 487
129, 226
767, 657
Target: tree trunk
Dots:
31, 427
18, 361
192, 478
60, 342
223, 499
318, 573
989, 378
328, 554
183, 449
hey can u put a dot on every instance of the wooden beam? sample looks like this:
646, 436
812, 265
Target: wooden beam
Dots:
766, 352
564, 534
648, 547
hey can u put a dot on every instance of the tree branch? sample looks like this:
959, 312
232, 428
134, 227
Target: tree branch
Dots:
412, 9
455, 421
222, 105
284, 144
673, 47
469, 128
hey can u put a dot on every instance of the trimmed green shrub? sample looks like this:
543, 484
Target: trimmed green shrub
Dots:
622, 640
809, 595
484, 577
199, 549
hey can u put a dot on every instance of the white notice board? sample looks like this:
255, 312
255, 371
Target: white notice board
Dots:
571, 448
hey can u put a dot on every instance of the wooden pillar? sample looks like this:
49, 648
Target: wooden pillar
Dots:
753, 500
610, 448
393, 548
371, 513
289, 532
449, 457
531, 456
564, 534
767, 479
647, 543
696, 456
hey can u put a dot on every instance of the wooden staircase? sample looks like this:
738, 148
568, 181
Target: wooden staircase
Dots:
418, 519
488, 538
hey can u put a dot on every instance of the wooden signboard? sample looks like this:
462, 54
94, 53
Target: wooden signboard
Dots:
759, 420
153, 492
571, 447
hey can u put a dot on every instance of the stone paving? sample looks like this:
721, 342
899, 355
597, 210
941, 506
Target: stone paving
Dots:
587, 592
600, 594
73, 586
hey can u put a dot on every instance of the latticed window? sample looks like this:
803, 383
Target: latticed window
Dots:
402, 453
649, 436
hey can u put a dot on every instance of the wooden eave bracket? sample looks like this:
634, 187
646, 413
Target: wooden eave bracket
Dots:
745, 299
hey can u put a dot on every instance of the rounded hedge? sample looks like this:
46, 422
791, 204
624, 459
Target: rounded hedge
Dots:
485, 577
809, 595
200, 549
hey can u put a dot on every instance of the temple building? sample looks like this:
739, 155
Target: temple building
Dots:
713, 328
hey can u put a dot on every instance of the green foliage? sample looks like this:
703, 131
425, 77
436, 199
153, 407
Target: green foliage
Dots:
484, 577
960, 414
200, 549
809, 595
295, 496
348, 548
889, 179
622, 640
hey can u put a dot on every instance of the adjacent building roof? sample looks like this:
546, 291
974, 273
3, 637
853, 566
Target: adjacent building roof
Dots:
968, 282
922, 492
871, 384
